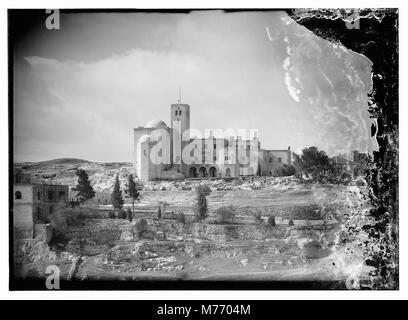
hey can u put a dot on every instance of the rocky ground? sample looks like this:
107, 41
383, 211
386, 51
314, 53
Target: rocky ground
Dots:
148, 248
115, 249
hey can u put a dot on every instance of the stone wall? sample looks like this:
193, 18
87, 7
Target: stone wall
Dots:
98, 230
107, 231
97, 235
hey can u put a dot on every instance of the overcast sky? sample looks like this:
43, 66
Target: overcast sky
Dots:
80, 90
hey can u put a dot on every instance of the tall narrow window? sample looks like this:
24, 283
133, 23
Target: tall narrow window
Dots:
18, 195
61, 195
50, 195
180, 113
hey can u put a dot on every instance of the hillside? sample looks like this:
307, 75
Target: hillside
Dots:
62, 171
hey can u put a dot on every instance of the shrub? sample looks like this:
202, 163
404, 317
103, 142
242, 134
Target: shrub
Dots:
258, 218
346, 176
122, 214
205, 189
290, 224
271, 221
285, 170
201, 206
63, 218
225, 214
180, 217
129, 214
111, 215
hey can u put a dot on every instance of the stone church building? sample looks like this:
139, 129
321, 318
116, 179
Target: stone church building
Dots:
169, 153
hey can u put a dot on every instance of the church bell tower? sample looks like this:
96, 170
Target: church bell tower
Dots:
180, 124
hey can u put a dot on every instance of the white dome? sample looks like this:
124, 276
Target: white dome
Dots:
155, 124
144, 138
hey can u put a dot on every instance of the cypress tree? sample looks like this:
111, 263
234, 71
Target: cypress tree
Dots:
83, 189
116, 197
131, 191
201, 206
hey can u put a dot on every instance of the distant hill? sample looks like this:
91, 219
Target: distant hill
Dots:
64, 161
54, 161
63, 171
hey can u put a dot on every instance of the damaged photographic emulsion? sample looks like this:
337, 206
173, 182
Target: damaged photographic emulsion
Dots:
203, 149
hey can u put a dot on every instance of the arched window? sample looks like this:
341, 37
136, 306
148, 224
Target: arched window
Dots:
18, 195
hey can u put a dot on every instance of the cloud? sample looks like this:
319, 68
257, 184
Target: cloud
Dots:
66, 106
81, 93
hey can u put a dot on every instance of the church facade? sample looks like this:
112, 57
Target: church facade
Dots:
170, 153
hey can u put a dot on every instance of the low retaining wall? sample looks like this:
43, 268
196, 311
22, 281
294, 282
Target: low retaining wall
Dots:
104, 231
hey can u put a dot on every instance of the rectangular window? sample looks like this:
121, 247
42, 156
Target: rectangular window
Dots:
61, 195
279, 160
270, 159
50, 195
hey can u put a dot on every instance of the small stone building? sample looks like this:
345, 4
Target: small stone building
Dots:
33, 203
